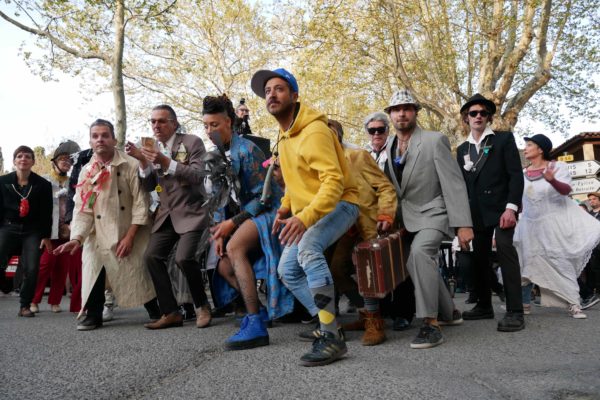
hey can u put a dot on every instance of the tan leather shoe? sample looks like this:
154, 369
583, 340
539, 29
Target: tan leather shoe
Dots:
166, 321
203, 316
56, 308
34, 308
374, 329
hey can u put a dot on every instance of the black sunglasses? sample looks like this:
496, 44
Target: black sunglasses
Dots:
483, 113
380, 130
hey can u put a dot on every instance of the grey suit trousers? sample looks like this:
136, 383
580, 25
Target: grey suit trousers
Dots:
431, 295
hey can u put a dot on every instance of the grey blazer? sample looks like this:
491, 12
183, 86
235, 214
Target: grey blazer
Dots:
432, 194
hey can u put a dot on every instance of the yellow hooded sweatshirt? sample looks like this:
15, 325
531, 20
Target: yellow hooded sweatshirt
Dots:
314, 168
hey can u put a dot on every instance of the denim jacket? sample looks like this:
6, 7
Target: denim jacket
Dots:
247, 160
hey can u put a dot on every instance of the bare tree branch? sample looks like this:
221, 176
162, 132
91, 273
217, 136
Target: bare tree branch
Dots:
57, 42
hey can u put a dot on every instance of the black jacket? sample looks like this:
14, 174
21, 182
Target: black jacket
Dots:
82, 158
497, 179
39, 218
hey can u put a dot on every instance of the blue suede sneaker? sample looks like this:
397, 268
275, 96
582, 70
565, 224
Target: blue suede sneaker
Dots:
264, 316
253, 333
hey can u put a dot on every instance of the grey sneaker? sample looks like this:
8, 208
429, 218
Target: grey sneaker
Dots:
429, 336
457, 319
325, 350
107, 314
587, 303
89, 323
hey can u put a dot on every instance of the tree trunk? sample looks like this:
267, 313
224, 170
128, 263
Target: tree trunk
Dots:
117, 86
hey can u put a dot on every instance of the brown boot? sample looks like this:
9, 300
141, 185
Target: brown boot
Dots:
358, 325
374, 329
203, 316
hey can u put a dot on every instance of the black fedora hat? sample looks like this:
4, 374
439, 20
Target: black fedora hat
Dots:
543, 142
479, 99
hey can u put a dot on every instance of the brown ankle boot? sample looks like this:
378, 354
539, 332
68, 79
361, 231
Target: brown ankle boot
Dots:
358, 325
374, 329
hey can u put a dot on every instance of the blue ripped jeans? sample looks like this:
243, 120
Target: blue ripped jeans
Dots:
303, 265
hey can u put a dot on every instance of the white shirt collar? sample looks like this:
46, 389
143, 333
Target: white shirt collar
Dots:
488, 131
170, 142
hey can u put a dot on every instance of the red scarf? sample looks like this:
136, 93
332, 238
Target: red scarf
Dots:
96, 179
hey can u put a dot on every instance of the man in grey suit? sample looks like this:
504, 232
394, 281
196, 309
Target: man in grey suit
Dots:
172, 167
433, 205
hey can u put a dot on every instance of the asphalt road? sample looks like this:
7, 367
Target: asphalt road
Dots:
555, 357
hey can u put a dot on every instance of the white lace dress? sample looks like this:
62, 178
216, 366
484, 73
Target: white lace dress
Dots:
554, 239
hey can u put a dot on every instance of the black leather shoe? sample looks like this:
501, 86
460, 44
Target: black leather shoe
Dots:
89, 323
512, 322
478, 313
400, 324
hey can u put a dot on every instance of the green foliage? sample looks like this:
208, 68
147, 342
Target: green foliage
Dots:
530, 56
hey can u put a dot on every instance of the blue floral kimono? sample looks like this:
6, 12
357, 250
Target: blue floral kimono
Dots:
247, 160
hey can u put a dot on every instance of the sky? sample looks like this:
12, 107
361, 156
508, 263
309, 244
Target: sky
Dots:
38, 113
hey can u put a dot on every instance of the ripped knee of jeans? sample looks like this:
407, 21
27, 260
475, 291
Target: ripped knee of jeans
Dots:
309, 258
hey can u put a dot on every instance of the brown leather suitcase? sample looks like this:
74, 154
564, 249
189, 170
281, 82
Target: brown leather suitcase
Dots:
380, 264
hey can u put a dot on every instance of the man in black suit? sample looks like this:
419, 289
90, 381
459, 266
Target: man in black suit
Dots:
589, 281
491, 166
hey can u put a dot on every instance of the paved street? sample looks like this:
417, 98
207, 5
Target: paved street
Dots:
556, 357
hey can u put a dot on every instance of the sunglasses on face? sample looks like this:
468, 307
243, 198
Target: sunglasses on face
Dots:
483, 113
380, 130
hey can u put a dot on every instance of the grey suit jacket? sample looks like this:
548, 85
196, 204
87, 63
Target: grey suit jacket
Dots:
432, 193
181, 196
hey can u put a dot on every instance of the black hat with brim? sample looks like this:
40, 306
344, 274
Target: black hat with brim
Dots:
479, 99
543, 142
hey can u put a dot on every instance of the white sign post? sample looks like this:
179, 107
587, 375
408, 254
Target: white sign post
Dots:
580, 169
587, 185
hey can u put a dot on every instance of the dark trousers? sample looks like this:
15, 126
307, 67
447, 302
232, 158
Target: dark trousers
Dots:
590, 278
13, 236
95, 302
464, 276
509, 265
156, 257
400, 303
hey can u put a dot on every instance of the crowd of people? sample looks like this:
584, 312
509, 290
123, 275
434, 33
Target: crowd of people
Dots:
143, 223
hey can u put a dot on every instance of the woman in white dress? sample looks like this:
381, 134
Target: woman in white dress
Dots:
553, 238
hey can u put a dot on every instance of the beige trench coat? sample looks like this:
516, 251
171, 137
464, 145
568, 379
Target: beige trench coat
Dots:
118, 206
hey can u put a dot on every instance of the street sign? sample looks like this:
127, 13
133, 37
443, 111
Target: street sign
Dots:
566, 158
580, 169
586, 185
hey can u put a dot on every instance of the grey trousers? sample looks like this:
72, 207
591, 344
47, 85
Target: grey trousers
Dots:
431, 295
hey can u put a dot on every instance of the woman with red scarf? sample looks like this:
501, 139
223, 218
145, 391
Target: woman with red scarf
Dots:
25, 221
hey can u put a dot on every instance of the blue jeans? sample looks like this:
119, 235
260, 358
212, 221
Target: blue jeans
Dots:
526, 292
303, 265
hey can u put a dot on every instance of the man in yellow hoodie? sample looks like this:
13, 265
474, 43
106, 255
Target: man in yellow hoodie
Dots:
319, 205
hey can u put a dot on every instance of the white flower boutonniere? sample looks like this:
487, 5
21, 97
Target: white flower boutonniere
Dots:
468, 163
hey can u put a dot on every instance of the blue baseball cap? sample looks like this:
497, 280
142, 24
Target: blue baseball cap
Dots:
260, 79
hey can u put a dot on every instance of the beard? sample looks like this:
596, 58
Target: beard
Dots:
408, 126
284, 109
